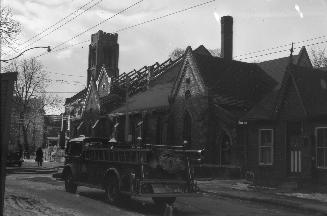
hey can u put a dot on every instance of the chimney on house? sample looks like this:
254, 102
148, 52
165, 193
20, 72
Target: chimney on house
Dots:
227, 37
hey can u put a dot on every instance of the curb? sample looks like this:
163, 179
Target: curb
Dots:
271, 201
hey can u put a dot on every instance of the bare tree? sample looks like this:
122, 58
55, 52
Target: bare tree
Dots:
30, 96
178, 52
319, 59
9, 28
215, 52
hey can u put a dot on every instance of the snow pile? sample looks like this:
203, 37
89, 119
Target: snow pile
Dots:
19, 204
314, 196
241, 186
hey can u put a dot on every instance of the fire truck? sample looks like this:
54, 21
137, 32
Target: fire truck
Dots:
158, 171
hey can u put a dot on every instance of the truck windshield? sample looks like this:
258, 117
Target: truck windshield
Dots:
74, 148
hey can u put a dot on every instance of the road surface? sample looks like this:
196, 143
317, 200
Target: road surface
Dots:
35, 192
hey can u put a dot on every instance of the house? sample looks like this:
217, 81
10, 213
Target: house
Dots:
52, 128
287, 130
193, 102
276, 67
33, 125
72, 117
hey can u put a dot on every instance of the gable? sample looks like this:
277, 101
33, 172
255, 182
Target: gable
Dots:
92, 102
304, 59
189, 78
104, 86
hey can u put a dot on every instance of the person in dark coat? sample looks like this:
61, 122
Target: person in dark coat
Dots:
39, 156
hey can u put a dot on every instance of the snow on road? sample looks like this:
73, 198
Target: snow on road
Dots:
21, 204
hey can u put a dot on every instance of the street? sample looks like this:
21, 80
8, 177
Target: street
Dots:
33, 191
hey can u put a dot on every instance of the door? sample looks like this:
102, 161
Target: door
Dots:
294, 148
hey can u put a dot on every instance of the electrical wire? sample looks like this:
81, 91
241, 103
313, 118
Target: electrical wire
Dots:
59, 21
64, 23
100, 23
278, 51
128, 27
164, 16
280, 46
71, 75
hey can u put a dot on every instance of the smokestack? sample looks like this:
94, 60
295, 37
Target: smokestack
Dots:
227, 37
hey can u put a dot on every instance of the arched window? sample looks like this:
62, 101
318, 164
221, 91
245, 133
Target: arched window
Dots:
187, 94
187, 129
226, 150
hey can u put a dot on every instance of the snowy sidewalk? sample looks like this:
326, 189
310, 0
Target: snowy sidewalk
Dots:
240, 189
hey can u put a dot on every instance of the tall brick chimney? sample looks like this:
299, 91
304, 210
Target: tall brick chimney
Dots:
227, 37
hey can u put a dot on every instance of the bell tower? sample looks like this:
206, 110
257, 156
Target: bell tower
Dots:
103, 50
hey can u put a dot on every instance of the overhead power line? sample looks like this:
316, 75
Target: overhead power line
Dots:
59, 21
93, 5
90, 28
125, 28
280, 46
71, 75
163, 16
100, 23
54, 92
279, 51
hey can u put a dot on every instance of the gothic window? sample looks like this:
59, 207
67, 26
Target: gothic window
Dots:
93, 57
323, 84
187, 129
187, 94
107, 56
226, 150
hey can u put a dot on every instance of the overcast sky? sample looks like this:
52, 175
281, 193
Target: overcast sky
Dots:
258, 24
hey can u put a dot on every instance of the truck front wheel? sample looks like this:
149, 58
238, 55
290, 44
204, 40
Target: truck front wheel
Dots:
70, 186
162, 201
112, 192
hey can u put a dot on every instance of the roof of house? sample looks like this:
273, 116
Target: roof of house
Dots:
79, 95
312, 88
276, 67
245, 83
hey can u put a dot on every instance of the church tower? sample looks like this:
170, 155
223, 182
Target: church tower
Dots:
103, 50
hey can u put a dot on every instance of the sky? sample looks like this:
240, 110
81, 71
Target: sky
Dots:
258, 25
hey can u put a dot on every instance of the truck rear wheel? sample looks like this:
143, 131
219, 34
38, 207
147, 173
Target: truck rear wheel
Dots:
112, 193
161, 201
70, 186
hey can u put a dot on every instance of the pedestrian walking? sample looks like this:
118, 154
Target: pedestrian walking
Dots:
39, 156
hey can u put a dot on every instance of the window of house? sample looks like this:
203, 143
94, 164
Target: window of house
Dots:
321, 140
187, 94
266, 141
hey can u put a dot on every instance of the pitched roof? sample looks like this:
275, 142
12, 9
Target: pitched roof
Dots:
79, 95
312, 88
276, 67
244, 82
264, 109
